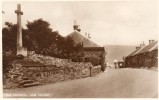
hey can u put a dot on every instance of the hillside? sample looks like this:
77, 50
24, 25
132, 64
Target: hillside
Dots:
117, 52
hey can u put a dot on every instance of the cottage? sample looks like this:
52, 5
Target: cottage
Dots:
92, 51
144, 56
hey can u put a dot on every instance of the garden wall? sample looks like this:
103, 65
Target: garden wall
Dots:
49, 72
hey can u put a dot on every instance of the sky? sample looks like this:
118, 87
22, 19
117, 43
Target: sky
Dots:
127, 22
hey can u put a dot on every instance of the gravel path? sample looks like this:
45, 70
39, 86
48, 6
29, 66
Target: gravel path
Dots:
116, 83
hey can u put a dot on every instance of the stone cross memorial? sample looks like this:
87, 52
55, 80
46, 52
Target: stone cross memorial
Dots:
20, 49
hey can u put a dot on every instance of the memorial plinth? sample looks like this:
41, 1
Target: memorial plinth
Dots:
22, 51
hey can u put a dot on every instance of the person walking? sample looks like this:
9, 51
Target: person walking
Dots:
116, 63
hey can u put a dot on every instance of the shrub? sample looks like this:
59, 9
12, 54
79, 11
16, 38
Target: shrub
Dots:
7, 59
94, 60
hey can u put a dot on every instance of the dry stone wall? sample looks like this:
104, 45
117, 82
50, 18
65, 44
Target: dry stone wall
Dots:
53, 70
52, 74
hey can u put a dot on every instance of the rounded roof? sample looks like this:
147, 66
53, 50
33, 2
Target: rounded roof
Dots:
79, 38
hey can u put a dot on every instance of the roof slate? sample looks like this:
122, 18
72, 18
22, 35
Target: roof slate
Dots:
149, 47
134, 52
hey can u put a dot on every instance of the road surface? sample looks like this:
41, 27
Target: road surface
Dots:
116, 83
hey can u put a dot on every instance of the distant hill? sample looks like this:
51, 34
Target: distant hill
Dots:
117, 52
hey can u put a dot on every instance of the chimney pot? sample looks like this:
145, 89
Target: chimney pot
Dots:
138, 48
76, 26
152, 41
142, 45
149, 41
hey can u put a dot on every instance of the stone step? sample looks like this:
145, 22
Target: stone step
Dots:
31, 84
25, 82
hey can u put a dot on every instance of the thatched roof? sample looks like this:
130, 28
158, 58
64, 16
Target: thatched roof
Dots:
79, 38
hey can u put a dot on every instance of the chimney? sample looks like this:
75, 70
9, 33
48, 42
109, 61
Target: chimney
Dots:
150, 41
76, 26
137, 48
142, 45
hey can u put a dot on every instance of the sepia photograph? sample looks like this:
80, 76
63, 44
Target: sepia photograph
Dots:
79, 49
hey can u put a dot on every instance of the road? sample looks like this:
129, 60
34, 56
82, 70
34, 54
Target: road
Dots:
116, 83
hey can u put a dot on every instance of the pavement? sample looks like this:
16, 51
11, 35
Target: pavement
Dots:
114, 83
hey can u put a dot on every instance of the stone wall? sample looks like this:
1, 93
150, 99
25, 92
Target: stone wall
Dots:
52, 70
96, 70
52, 74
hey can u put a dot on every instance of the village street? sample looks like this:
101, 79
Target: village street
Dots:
135, 83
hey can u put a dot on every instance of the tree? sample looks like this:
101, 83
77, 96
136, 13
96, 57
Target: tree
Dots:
9, 40
69, 46
79, 50
9, 36
40, 34
39, 37
42, 39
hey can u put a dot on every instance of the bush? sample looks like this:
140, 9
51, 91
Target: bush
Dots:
7, 59
94, 60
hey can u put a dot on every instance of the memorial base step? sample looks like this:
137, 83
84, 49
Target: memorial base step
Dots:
26, 82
